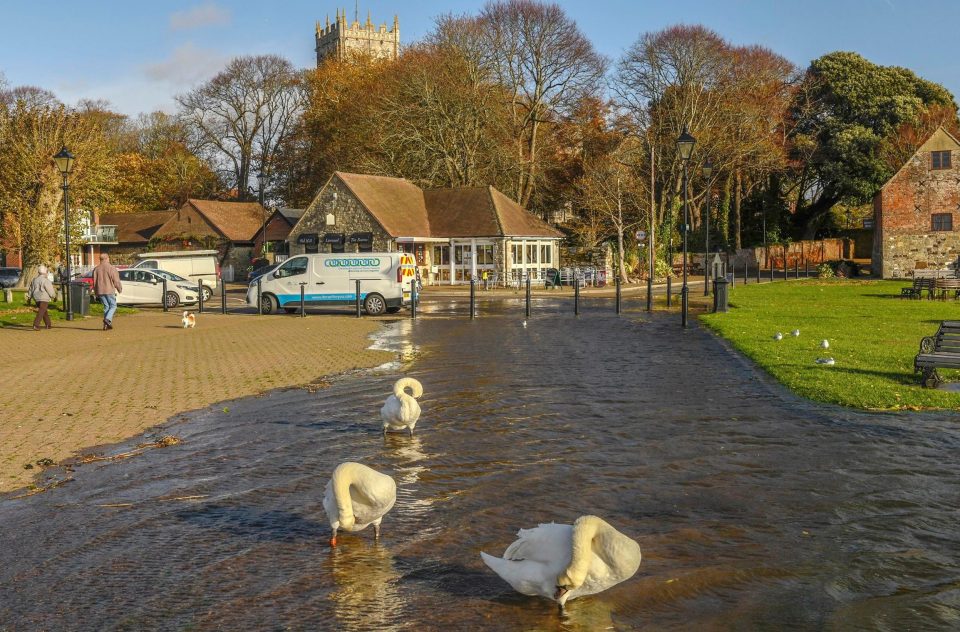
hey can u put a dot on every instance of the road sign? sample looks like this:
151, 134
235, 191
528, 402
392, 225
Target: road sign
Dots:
641, 235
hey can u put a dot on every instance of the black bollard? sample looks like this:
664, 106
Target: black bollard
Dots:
618, 294
527, 312
200, 299
806, 268
303, 302
473, 299
796, 269
785, 269
733, 276
259, 298
772, 267
669, 297
413, 299
223, 297
650, 294
576, 295
758, 270
166, 307
358, 297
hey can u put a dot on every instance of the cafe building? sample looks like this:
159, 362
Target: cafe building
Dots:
454, 234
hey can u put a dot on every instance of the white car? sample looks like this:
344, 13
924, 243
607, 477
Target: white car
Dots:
145, 287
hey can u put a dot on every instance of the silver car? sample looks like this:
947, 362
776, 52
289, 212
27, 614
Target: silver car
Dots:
145, 287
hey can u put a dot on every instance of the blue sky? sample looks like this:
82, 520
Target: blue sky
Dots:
137, 55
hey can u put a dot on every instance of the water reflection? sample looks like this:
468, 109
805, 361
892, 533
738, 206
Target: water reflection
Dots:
366, 593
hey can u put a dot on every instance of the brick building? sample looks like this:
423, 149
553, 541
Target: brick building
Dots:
917, 211
454, 234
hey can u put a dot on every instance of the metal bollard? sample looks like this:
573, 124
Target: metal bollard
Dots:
618, 294
528, 298
785, 269
733, 278
576, 296
166, 307
669, 298
796, 269
223, 298
259, 297
806, 268
358, 297
473, 299
200, 299
303, 302
772, 269
650, 294
413, 299
758, 271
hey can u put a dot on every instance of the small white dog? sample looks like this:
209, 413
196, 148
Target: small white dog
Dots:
401, 410
189, 320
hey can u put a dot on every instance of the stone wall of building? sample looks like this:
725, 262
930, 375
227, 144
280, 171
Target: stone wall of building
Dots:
349, 216
343, 38
903, 213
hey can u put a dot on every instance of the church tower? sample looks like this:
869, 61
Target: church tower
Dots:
343, 38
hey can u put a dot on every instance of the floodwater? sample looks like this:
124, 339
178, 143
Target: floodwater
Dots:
754, 510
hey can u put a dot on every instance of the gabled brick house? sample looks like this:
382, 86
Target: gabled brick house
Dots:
917, 212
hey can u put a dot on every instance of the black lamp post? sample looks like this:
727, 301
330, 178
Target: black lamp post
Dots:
707, 170
685, 143
65, 160
261, 183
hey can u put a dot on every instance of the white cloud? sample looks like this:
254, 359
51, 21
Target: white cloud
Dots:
206, 14
186, 66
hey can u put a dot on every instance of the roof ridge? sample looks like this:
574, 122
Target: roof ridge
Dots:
496, 209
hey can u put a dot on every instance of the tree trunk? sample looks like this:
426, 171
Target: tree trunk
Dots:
810, 217
737, 222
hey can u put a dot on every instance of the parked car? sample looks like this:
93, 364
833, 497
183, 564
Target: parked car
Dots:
10, 277
87, 277
145, 287
200, 266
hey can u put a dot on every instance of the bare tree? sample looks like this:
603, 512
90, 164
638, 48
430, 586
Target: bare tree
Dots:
241, 117
547, 66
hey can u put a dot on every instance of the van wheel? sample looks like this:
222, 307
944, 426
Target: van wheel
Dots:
173, 299
374, 305
267, 304
207, 293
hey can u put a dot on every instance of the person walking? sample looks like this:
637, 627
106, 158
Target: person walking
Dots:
106, 284
43, 293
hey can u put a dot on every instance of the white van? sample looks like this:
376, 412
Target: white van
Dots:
199, 266
330, 279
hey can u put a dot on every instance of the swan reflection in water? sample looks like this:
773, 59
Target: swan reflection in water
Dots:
366, 594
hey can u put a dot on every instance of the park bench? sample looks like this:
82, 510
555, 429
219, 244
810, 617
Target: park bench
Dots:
946, 286
920, 285
939, 351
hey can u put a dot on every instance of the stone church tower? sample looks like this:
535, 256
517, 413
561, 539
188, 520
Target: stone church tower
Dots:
343, 38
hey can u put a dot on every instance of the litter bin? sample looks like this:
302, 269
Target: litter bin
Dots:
79, 298
720, 294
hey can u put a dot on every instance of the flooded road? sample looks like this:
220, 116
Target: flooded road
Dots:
754, 510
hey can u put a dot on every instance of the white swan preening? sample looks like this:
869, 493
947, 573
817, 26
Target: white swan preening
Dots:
356, 497
401, 409
563, 562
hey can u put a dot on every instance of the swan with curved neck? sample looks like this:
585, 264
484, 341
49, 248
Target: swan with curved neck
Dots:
563, 562
401, 409
356, 497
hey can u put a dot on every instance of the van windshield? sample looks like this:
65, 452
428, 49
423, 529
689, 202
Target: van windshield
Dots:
293, 267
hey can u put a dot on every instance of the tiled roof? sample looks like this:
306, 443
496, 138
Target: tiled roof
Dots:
397, 204
237, 221
405, 210
292, 215
136, 227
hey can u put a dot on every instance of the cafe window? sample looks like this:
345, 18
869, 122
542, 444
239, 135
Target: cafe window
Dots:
546, 254
517, 254
458, 257
942, 221
940, 160
485, 255
531, 253
441, 255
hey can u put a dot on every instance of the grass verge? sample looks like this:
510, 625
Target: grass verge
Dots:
17, 314
873, 333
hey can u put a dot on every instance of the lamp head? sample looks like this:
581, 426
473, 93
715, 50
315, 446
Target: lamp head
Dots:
261, 180
708, 167
64, 160
685, 143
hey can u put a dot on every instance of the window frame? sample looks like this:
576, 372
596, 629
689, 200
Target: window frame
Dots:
936, 160
934, 224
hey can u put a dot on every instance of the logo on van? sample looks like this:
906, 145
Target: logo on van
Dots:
370, 262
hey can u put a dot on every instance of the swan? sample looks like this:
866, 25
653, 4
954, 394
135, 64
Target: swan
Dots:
356, 497
795, 333
824, 344
778, 336
401, 410
563, 562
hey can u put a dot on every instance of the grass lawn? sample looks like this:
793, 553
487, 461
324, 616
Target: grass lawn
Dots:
16, 314
873, 333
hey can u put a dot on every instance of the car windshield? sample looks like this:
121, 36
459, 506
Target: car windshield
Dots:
170, 275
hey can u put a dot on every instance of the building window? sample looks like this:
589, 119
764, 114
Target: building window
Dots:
546, 254
943, 221
940, 160
441, 255
517, 254
484, 255
531, 253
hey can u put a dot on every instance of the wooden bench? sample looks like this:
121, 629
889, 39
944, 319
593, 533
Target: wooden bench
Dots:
946, 286
920, 285
939, 351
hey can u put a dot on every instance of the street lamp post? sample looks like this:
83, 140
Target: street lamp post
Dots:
707, 170
685, 143
64, 160
261, 183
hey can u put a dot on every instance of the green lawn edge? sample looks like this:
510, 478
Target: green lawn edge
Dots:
17, 314
873, 335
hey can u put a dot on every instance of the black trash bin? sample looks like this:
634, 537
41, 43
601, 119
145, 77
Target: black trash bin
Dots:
79, 298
